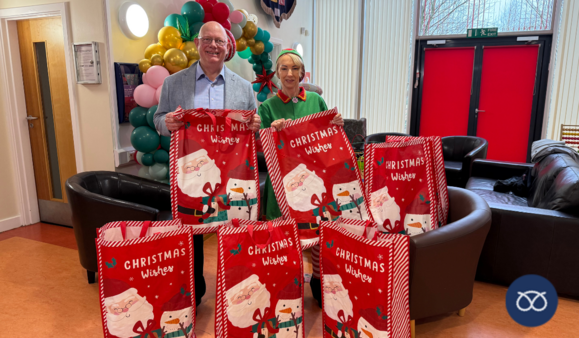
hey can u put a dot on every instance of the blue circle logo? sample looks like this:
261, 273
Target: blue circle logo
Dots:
531, 300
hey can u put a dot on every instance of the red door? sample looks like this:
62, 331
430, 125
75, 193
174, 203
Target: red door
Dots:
446, 91
506, 99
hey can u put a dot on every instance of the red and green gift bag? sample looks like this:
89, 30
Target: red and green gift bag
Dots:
364, 282
400, 183
314, 173
259, 280
214, 175
146, 279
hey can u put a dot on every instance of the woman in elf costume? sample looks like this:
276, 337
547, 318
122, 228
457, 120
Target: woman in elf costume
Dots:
291, 102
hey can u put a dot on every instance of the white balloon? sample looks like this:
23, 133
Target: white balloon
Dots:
144, 172
159, 171
139, 157
253, 18
236, 30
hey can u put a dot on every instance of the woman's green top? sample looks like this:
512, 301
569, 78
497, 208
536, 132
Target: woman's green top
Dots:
283, 107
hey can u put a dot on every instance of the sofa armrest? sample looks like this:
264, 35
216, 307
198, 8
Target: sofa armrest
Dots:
499, 170
445, 259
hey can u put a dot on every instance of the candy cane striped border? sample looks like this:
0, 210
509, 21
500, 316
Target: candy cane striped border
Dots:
272, 161
311, 117
180, 113
101, 243
156, 224
229, 229
429, 171
398, 283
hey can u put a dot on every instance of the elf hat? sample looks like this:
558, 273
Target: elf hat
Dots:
178, 302
241, 172
193, 149
344, 175
292, 290
116, 290
418, 207
376, 317
379, 182
330, 273
232, 45
239, 277
295, 52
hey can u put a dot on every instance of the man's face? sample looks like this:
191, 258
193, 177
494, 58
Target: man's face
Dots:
123, 306
212, 44
297, 181
195, 165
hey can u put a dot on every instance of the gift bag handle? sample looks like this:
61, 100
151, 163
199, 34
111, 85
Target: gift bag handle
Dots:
143, 233
269, 229
367, 230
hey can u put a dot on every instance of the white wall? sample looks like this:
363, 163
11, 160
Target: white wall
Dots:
127, 50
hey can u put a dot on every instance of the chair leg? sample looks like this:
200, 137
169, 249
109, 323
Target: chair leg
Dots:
461, 312
412, 329
91, 276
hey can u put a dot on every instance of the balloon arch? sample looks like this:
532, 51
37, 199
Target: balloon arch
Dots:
176, 51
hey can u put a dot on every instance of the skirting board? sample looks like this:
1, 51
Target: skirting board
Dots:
10, 223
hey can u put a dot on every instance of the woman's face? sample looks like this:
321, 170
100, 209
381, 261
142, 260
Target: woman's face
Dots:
288, 72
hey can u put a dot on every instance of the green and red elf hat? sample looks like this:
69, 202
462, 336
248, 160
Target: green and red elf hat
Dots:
295, 52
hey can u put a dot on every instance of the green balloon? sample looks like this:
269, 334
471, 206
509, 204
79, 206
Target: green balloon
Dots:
245, 54
150, 115
267, 47
250, 60
267, 65
166, 143
193, 11
259, 34
145, 139
172, 19
266, 36
256, 87
265, 90
255, 57
196, 27
258, 68
161, 156
147, 160
138, 117
261, 97
265, 57
168, 174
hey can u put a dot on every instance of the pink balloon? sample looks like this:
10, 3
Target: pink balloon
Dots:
145, 96
235, 17
145, 79
156, 75
158, 94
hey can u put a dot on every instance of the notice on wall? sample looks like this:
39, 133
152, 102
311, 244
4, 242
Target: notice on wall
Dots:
87, 63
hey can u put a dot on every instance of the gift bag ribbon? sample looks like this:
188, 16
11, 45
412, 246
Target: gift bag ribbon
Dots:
324, 202
346, 324
264, 319
142, 331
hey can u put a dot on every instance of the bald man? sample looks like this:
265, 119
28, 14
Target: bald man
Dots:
206, 84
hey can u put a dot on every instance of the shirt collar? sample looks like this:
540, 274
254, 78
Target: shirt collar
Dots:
285, 99
201, 74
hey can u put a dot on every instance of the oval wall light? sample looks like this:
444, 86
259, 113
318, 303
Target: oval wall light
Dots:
299, 48
133, 20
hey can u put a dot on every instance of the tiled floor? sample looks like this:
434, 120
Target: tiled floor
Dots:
43, 293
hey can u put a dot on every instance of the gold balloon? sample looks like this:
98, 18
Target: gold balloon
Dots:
190, 50
249, 31
169, 37
250, 42
241, 44
191, 62
144, 65
175, 60
257, 48
157, 60
154, 49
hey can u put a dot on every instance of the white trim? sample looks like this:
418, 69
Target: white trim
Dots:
10, 223
112, 85
15, 104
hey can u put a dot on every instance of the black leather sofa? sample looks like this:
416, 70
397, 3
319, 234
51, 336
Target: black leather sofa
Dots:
533, 234
459, 152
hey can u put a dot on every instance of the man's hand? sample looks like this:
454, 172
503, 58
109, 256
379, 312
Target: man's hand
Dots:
172, 123
254, 123
338, 120
279, 124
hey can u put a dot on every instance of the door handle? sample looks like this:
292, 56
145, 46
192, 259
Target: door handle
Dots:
478, 111
31, 117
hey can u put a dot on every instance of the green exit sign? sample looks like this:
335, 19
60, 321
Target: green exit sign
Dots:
482, 32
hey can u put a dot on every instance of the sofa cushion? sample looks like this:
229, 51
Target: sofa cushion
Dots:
499, 197
480, 183
454, 166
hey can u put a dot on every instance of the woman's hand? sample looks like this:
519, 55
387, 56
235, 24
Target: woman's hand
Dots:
254, 123
172, 123
338, 120
279, 124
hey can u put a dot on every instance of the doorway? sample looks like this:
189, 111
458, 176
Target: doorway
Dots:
490, 88
48, 115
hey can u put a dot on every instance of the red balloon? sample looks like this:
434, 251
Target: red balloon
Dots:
220, 12
208, 17
226, 24
201, 2
207, 7
135, 156
213, 2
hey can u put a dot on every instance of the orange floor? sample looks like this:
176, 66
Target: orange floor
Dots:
44, 293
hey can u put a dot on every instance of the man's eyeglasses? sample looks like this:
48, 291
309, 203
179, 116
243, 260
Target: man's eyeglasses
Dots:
208, 41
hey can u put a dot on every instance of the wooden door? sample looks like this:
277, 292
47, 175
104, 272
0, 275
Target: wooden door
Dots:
47, 104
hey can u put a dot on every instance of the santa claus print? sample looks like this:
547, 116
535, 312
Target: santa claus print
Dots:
417, 219
300, 186
125, 308
373, 323
248, 301
347, 193
177, 317
288, 310
196, 170
383, 207
242, 193
337, 303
